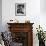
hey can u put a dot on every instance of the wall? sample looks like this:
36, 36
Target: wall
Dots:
43, 14
43, 6
33, 13
0, 15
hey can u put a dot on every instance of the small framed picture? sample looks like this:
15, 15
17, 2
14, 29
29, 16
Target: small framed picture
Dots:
20, 9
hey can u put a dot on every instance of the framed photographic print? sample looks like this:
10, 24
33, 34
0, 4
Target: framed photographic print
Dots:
20, 9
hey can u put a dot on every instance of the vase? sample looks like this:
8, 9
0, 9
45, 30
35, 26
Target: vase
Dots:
41, 43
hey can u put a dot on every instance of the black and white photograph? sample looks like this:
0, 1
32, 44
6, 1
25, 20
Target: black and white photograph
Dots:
20, 9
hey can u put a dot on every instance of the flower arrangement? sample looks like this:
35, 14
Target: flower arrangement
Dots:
40, 34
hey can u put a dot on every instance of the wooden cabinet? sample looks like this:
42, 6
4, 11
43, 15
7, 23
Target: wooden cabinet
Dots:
22, 33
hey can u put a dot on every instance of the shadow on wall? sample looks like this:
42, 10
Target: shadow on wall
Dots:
0, 15
43, 6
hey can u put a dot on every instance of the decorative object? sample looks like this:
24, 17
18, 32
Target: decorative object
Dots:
20, 9
27, 21
41, 36
13, 21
